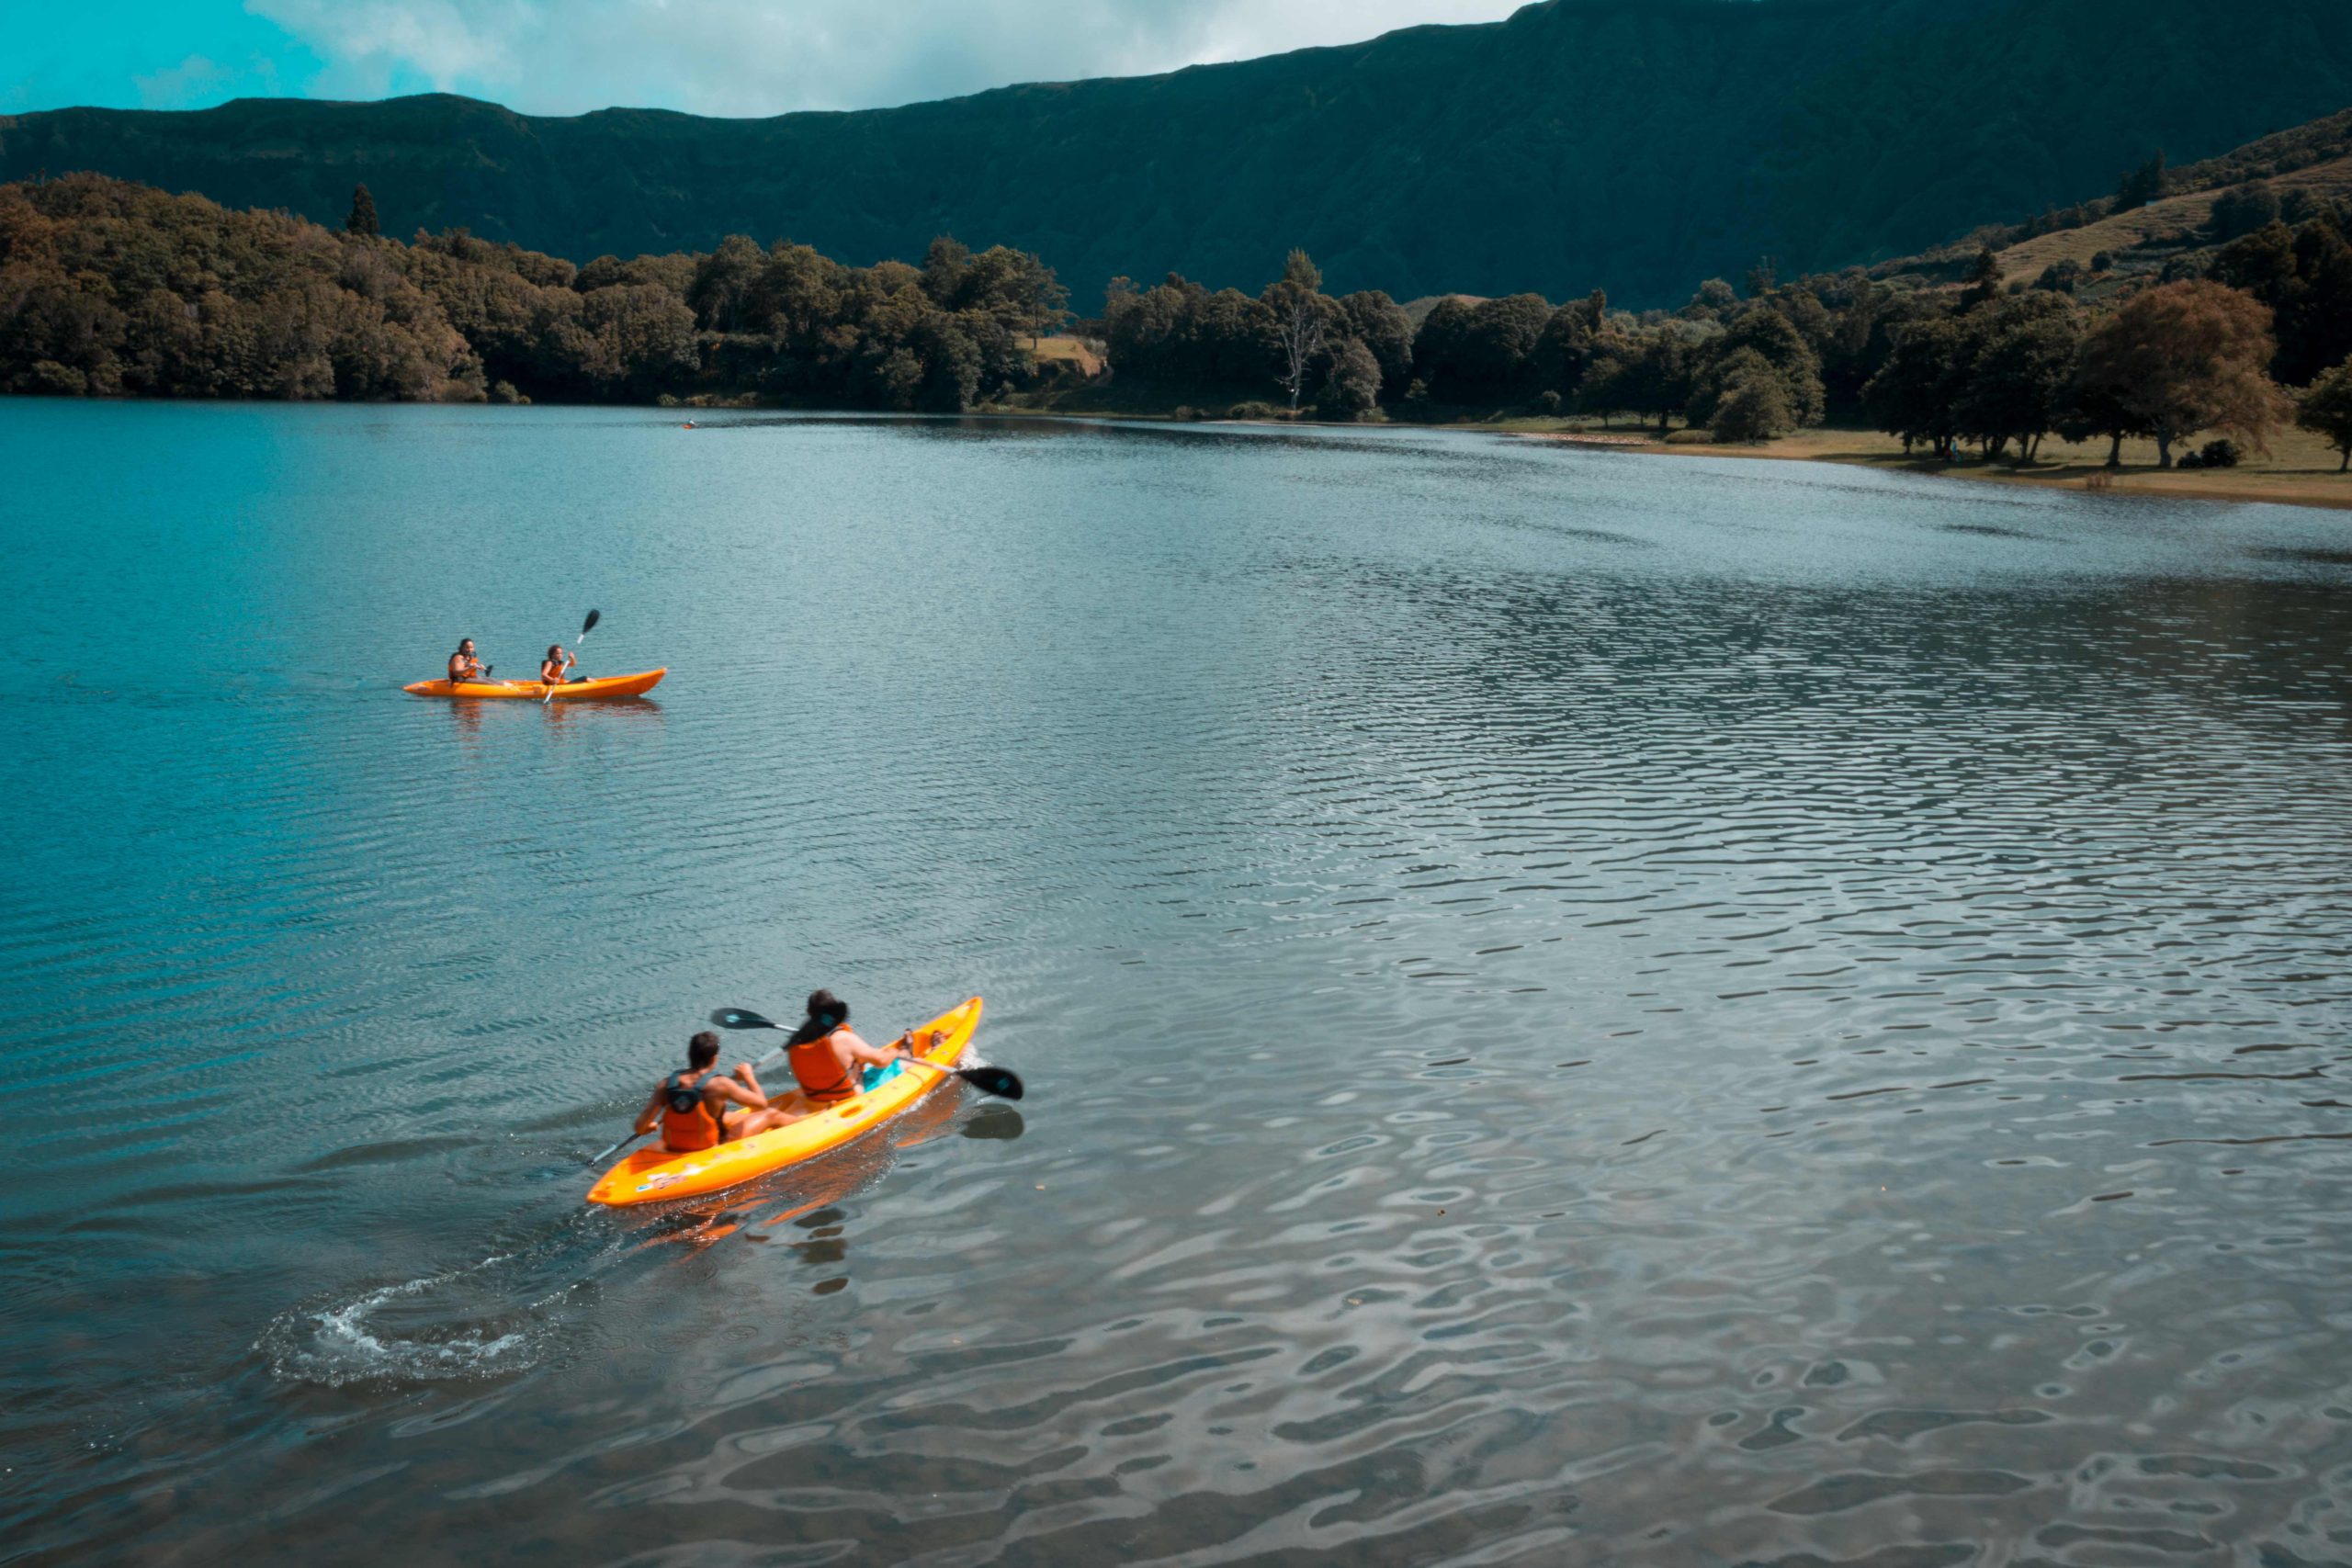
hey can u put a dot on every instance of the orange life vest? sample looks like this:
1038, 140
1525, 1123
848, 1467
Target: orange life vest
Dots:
688, 1125
822, 1078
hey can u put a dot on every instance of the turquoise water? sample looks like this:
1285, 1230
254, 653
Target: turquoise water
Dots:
1577, 1008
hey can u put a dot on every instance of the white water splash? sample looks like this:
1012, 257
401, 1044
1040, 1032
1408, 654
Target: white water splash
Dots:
417, 1331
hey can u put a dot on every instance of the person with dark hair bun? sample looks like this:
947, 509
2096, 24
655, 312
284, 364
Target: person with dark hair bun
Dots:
691, 1108
833, 1063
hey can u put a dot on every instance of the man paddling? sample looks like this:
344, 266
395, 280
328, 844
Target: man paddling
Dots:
829, 1061
693, 1107
463, 665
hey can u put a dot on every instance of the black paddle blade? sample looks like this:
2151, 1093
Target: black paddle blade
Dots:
1001, 1082
741, 1018
590, 624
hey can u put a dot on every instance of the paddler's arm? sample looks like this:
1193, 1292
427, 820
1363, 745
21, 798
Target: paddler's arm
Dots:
744, 1089
861, 1051
647, 1118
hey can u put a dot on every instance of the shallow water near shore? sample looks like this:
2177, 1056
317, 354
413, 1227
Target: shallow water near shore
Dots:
1575, 1009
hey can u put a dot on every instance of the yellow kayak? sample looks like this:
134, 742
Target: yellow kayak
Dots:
652, 1175
635, 685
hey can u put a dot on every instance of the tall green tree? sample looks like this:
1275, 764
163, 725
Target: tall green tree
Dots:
2092, 411
362, 222
1754, 405
1983, 284
2326, 409
2142, 183
1386, 331
1352, 388
2019, 367
1914, 394
723, 283
1565, 347
1765, 330
2304, 275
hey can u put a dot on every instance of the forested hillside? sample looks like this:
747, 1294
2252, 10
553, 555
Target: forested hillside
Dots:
109, 288
1630, 144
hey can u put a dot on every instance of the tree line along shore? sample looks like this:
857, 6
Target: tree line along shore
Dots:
110, 289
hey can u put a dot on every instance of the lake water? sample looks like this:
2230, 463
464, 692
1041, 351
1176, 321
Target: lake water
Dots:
1577, 1008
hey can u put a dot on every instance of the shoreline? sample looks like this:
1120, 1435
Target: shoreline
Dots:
2299, 471
2288, 477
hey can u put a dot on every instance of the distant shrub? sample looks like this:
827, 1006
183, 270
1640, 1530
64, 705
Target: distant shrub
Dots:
1548, 404
2244, 209
1253, 410
57, 380
2061, 276
1690, 439
1353, 388
2103, 261
1184, 411
1754, 407
2222, 454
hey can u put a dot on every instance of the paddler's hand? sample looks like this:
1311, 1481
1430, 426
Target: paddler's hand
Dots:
743, 1071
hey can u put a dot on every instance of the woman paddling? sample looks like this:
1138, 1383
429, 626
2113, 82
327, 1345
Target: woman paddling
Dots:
833, 1063
555, 668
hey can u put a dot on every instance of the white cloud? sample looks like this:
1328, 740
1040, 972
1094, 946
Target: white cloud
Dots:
763, 57
193, 81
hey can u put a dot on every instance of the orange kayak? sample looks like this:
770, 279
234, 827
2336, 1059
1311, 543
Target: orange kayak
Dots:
635, 685
652, 1175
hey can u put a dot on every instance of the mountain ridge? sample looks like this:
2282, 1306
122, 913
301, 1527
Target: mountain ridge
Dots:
1577, 142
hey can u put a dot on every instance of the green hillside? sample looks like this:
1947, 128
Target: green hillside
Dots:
1633, 144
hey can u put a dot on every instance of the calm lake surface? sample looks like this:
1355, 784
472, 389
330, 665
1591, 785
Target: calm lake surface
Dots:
1577, 1008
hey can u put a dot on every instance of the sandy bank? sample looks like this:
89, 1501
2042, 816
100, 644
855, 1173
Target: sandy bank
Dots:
2300, 470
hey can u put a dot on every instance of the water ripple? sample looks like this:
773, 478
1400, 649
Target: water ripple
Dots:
1576, 1010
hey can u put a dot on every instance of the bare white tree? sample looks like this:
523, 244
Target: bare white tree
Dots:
1302, 322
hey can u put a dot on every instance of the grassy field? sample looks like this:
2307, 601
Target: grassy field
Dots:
1085, 357
2300, 470
2175, 220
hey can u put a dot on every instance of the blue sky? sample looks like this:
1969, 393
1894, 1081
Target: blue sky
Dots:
726, 57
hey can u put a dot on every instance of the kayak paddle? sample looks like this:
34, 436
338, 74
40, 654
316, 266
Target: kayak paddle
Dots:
1000, 1081
585, 628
